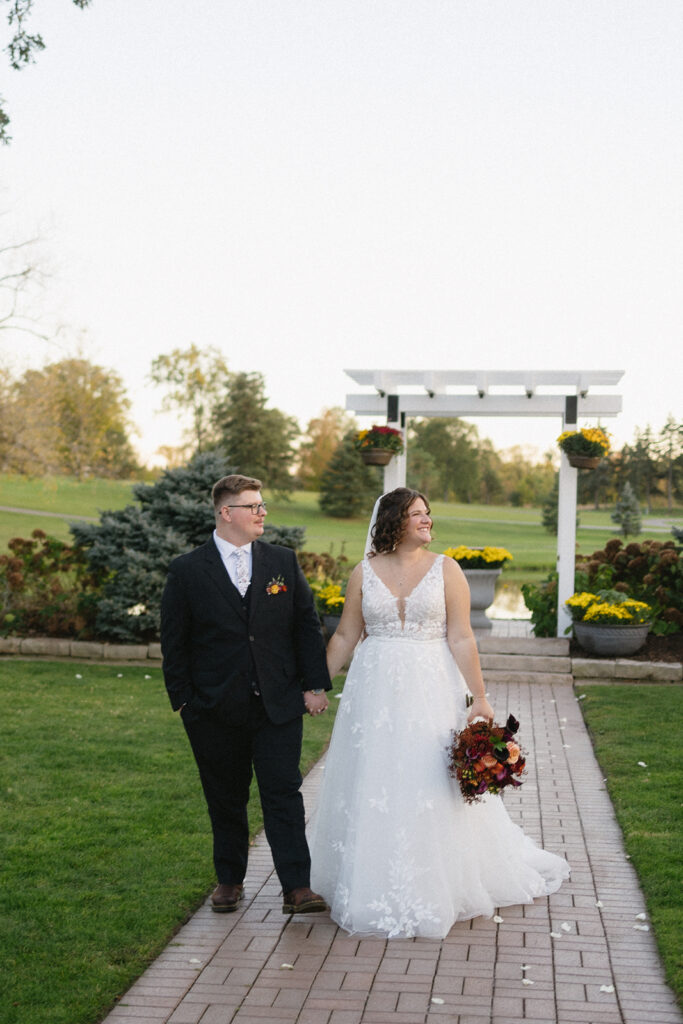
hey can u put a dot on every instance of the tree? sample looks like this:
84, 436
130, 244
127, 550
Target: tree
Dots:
452, 444
322, 437
670, 447
491, 491
422, 473
23, 47
198, 380
259, 441
69, 417
129, 550
348, 487
525, 481
639, 465
550, 510
19, 273
627, 512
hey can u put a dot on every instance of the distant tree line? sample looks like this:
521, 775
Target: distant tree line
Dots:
72, 417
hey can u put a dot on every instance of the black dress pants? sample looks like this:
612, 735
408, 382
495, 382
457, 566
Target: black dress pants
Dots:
226, 750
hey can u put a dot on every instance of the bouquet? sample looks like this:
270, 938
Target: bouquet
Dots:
484, 758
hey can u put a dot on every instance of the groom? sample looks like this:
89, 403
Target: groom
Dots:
243, 660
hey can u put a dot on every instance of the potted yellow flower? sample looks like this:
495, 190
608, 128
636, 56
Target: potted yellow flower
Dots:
482, 567
584, 448
329, 601
378, 445
609, 622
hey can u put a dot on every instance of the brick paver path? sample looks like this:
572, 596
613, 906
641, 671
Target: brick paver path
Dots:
258, 967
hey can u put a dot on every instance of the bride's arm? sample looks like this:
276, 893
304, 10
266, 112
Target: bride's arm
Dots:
461, 638
351, 625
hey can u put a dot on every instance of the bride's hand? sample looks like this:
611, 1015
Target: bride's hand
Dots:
480, 708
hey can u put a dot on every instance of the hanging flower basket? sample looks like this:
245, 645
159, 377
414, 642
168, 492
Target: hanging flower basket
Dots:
584, 448
584, 461
378, 445
376, 456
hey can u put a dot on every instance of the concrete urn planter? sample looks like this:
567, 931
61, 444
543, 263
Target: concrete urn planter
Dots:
617, 641
482, 584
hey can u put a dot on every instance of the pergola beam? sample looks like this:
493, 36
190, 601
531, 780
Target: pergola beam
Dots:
489, 405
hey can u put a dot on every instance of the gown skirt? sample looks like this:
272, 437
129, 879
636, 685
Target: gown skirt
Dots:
395, 849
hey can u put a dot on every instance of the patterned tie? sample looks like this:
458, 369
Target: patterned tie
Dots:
242, 571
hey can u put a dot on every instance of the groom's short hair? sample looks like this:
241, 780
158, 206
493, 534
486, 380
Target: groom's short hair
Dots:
230, 486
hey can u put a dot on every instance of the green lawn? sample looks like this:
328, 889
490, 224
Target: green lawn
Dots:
65, 496
105, 842
635, 723
517, 529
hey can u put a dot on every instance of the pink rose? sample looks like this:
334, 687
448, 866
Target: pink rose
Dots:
514, 752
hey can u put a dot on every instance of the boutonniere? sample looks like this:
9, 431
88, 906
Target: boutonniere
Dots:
276, 586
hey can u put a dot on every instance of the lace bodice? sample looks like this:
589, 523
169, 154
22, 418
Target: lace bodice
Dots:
419, 616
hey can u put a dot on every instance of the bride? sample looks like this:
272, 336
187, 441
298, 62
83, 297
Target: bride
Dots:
395, 849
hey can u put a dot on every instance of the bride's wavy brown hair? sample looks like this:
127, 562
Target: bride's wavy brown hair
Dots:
392, 516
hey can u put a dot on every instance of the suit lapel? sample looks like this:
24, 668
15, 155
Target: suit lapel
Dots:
259, 572
219, 574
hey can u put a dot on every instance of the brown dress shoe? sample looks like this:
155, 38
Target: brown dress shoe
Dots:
303, 901
224, 898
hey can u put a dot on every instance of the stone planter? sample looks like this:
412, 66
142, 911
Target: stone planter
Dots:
482, 584
617, 641
330, 622
376, 456
584, 461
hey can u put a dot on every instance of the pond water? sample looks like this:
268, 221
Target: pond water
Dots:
508, 602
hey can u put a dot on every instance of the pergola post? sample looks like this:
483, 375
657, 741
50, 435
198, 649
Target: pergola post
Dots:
395, 471
566, 523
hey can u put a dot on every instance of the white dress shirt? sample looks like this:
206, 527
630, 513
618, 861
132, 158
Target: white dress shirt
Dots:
225, 550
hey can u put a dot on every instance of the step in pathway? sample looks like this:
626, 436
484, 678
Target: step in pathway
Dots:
586, 953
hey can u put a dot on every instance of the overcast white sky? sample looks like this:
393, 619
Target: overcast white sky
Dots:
469, 184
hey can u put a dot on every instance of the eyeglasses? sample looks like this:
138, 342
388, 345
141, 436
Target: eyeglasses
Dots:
257, 507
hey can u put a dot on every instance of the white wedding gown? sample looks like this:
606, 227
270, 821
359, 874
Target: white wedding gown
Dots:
395, 849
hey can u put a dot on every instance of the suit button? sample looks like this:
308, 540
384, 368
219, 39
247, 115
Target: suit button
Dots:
251, 638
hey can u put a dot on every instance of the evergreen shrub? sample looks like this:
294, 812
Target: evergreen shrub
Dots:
129, 550
348, 487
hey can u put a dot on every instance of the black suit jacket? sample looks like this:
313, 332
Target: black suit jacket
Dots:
214, 644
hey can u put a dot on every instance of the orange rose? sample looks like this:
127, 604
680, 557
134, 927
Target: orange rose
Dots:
514, 752
489, 761
479, 766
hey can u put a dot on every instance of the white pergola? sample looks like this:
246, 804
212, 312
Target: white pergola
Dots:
563, 394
